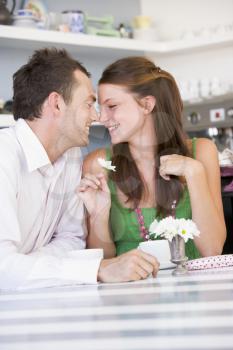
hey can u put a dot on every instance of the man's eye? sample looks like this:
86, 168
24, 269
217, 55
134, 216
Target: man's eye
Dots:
112, 106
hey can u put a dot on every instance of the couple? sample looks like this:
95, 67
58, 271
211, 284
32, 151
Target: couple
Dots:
42, 227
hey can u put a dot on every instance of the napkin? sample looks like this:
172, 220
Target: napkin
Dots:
225, 157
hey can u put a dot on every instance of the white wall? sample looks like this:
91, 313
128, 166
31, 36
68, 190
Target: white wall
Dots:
12, 59
173, 17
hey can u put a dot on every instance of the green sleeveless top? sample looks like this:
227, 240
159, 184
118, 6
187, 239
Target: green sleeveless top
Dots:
124, 225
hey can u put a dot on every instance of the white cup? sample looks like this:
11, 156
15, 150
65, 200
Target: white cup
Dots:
147, 34
142, 22
194, 89
25, 21
184, 90
216, 86
159, 249
205, 88
53, 20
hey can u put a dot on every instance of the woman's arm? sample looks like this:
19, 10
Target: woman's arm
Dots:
94, 191
204, 184
203, 180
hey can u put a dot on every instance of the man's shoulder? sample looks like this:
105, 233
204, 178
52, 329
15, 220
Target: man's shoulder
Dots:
10, 157
9, 146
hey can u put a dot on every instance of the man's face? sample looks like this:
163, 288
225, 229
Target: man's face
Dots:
79, 113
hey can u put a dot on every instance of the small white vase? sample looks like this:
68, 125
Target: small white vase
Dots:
177, 248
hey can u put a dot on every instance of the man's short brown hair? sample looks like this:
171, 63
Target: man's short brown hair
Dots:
47, 70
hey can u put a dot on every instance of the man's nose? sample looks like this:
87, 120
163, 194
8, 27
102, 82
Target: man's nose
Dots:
95, 115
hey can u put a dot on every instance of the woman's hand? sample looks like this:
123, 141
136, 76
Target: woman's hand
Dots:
94, 192
175, 164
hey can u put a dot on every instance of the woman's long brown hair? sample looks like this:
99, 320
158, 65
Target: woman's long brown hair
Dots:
142, 78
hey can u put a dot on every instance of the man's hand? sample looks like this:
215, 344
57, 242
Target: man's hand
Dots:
132, 266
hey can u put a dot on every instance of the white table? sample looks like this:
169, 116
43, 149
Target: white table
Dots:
191, 312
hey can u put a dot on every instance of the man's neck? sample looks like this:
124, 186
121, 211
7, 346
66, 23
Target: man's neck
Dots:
48, 137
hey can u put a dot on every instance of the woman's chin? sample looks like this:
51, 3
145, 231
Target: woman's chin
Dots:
115, 139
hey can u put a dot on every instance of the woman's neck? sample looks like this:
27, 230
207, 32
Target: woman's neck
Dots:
142, 154
142, 145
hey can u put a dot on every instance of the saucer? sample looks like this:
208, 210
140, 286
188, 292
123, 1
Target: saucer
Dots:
25, 21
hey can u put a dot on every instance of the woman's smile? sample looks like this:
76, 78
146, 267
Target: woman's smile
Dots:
113, 127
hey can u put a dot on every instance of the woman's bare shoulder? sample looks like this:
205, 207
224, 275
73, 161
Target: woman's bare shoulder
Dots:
206, 148
91, 164
207, 154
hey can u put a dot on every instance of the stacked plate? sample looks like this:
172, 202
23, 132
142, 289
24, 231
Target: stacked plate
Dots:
25, 18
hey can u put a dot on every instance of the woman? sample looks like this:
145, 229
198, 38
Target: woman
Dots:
156, 165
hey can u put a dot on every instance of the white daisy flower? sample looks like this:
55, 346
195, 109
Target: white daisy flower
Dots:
169, 227
187, 229
153, 226
107, 164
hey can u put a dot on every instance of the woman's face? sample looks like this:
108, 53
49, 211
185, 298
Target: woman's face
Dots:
120, 112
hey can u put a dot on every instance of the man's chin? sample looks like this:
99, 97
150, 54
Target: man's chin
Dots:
85, 142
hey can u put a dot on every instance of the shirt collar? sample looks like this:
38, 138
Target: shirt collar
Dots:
35, 154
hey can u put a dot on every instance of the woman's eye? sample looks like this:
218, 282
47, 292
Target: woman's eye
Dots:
111, 106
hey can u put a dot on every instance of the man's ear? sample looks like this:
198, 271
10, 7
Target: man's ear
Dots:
148, 103
55, 102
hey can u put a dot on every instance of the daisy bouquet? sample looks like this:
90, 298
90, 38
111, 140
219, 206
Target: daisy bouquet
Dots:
170, 227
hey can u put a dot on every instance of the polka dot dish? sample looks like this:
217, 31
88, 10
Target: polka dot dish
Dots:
210, 262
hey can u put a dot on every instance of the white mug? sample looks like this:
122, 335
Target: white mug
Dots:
158, 248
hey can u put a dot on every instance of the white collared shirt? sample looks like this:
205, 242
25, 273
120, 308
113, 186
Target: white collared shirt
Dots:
41, 217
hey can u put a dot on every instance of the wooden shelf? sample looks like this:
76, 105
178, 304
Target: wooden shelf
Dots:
197, 127
210, 100
27, 38
19, 37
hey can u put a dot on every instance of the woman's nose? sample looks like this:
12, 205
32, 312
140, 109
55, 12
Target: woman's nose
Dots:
103, 116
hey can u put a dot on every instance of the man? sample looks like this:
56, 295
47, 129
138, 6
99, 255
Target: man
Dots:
41, 217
